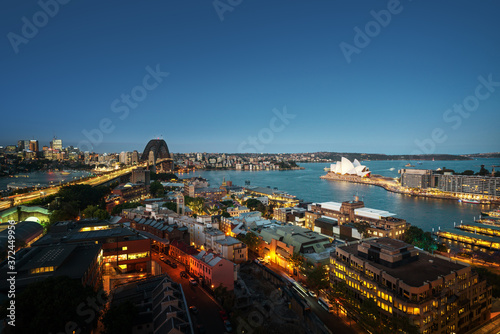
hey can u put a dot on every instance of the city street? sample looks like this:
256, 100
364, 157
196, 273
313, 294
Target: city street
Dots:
335, 324
208, 309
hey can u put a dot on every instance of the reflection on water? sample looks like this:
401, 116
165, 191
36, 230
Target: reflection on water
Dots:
306, 184
42, 178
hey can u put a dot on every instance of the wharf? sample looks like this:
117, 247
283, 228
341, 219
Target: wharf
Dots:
392, 185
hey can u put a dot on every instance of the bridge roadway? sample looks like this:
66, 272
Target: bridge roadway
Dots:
8, 202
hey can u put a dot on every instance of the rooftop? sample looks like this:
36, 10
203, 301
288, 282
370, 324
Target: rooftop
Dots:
417, 273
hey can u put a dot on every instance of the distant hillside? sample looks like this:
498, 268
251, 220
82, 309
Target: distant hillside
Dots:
376, 156
483, 155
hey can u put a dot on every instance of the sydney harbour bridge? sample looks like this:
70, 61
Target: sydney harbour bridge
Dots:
157, 155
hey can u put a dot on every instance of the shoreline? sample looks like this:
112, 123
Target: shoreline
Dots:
390, 185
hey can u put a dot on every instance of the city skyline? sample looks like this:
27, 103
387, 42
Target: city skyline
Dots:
254, 77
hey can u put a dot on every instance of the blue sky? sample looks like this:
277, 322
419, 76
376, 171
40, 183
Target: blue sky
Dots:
225, 77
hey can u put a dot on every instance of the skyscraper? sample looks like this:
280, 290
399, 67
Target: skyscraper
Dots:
56, 144
33, 145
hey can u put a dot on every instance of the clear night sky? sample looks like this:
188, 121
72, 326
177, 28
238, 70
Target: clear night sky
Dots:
226, 76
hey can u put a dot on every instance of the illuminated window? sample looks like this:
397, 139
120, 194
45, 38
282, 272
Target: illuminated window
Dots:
124, 248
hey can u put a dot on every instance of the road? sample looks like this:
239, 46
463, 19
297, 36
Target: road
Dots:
95, 181
334, 323
208, 309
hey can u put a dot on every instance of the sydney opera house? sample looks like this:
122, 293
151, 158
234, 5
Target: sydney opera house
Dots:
345, 167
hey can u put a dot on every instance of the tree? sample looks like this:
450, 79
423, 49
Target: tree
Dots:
250, 239
82, 195
297, 261
255, 205
362, 227
128, 205
48, 306
66, 211
171, 206
156, 189
483, 171
93, 211
163, 177
317, 278
195, 204
119, 319
417, 237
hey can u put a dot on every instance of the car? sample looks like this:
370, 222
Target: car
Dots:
312, 294
192, 281
173, 265
227, 326
184, 274
223, 315
162, 257
193, 309
167, 261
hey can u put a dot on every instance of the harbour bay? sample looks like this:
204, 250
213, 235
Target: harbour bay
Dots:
306, 184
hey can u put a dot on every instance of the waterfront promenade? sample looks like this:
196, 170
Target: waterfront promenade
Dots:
392, 185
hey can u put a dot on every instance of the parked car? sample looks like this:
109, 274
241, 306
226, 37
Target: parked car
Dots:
223, 315
184, 274
167, 261
228, 327
192, 281
312, 294
162, 257
193, 309
173, 264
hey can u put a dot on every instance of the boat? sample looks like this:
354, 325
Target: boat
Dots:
65, 172
326, 169
470, 201
409, 165
493, 213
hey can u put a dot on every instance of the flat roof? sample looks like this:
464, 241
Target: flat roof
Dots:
335, 206
373, 213
471, 235
415, 273
474, 224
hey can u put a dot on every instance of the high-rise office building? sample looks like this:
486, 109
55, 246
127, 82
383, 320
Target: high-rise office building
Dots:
33, 145
56, 144
432, 293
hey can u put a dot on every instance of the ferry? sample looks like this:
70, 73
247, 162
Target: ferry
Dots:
326, 169
493, 213
470, 201
409, 165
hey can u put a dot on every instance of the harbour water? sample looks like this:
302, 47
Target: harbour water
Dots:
306, 184
41, 179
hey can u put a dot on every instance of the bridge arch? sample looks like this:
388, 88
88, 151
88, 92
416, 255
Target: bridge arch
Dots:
158, 147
